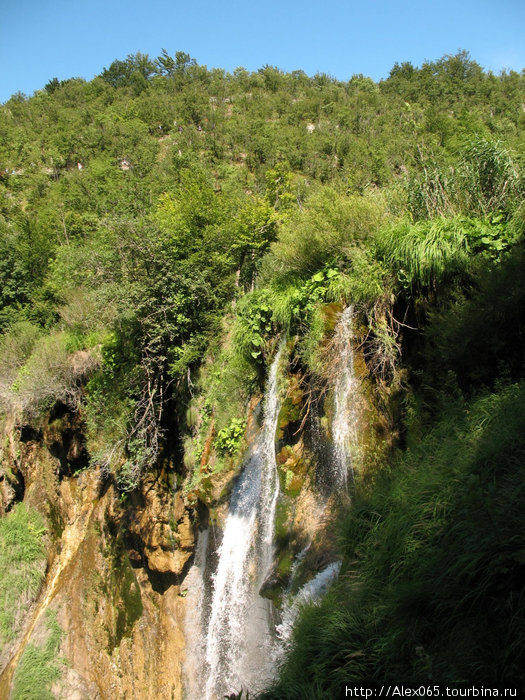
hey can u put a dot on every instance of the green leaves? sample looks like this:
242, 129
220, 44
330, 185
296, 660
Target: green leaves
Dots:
229, 439
253, 324
490, 236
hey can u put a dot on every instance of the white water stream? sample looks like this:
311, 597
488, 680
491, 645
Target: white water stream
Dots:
237, 636
309, 593
344, 424
233, 636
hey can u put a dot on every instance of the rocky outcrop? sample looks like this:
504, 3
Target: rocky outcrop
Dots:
159, 529
114, 568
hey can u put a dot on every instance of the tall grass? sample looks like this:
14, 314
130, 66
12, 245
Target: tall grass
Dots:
22, 563
431, 587
425, 253
39, 666
485, 179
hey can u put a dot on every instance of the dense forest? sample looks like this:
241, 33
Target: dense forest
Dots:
162, 225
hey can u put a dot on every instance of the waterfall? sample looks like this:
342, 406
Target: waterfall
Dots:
344, 424
309, 593
239, 632
234, 635
196, 610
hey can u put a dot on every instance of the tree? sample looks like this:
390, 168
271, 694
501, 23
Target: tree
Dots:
134, 71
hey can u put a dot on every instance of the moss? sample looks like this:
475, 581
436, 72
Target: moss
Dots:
284, 564
127, 601
292, 468
282, 519
55, 520
291, 411
330, 314
277, 582
130, 607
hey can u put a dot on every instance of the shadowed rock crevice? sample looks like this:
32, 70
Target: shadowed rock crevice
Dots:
12, 488
30, 434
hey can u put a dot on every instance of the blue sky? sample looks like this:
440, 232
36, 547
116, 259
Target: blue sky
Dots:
40, 39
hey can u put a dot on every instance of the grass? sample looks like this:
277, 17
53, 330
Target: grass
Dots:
430, 590
425, 253
39, 666
22, 563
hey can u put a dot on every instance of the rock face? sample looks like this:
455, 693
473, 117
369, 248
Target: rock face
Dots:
159, 529
114, 569
116, 564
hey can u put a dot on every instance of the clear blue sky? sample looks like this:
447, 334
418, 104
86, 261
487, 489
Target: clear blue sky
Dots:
40, 39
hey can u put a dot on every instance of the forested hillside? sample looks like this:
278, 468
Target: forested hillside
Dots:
163, 224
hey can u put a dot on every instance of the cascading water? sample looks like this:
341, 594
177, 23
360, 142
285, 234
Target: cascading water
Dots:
196, 610
238, 637
344, 424
234, 638
309, 593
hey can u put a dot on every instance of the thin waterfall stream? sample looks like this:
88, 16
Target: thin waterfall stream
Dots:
344, 424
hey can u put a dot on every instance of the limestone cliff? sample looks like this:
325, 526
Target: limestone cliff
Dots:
114, 567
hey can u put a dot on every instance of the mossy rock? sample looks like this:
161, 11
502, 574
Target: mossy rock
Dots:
294, 484
330, 313
293, 467
289, 415
284, 453
123, 585
277, 580
282, 524
291, 411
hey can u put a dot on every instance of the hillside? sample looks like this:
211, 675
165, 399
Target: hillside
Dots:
203, 274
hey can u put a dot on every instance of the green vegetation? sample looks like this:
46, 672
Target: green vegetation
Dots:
162, 225
39, 666
434, 551
229, 438
122, 586
22, 561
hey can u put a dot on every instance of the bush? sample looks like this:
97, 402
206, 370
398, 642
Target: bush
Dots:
229, 438
16, 346
328, 227
41, 371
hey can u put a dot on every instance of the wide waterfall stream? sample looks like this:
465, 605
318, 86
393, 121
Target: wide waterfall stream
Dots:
237, 646
234, 635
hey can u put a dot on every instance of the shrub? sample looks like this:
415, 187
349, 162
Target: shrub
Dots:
328, 227
16, 346
229, 438
49, 373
